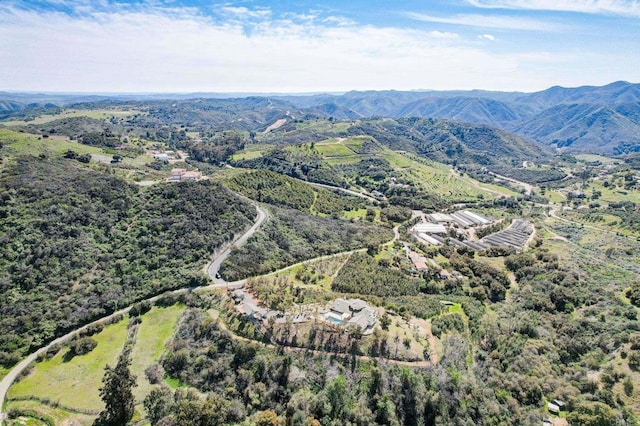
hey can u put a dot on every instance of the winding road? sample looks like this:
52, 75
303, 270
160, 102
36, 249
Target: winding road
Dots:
528, 188
213, 269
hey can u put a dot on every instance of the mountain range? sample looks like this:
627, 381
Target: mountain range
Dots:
598, 119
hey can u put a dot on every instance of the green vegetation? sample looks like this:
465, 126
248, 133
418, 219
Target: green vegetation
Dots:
79, 243
273, 188
297, 163
364, 275
483, 337
24, 144
74, 383
154, 333
290, 236
116, 393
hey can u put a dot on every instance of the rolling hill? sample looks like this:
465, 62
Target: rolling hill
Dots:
583, 119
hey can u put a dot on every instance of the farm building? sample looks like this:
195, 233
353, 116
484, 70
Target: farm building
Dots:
515, 236
181, 175
462, 219
429, 239
430, 228
418, 260
553, 408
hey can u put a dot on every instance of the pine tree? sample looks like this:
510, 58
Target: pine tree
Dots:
117, 394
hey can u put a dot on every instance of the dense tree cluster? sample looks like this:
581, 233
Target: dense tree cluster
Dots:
296, 163
78, 244
279, 190
290, 236
531, 175
556, 323
245, 381
215, 149
364, 275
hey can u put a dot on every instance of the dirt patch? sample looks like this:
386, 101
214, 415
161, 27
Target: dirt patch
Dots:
276, 125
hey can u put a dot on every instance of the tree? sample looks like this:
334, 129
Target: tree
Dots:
81, 346
385, 321
159, 404
117, 394
267, 418
628, 386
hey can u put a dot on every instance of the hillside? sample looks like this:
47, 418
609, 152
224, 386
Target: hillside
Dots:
79, 243
567, 118
596, 128
448, 141
541, 116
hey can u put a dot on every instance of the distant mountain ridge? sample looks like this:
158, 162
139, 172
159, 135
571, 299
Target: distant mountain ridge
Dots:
599, 119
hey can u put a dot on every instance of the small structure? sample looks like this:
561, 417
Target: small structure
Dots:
181, 175
429, 239
463, 219
429, 228
553, 408
237, 296
340, 310
418, 260
561, 405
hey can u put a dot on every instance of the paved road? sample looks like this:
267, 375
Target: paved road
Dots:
346, 191
527, 186
214, 267
212, 270
8, 380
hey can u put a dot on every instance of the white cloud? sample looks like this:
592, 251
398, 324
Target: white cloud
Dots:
148, 50
244, 12
629, 8
487, 37
490, 21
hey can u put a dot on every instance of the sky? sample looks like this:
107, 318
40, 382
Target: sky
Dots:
297, 46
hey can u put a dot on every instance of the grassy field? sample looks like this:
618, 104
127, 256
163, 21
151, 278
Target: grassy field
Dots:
97, 114
594, 157
612, 194
57, 415
250, 152
355, 214
355, 144
323, 126
154, 333
333, 149
25, 144
75, 383
319, 273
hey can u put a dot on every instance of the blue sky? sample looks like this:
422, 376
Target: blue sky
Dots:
315, 46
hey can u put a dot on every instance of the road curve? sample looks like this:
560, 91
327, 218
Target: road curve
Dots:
214, 267
11, 376
346, 191
212, 270
528, 188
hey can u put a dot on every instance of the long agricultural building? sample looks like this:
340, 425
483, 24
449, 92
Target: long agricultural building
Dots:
436, 230
463, 219
515, 236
